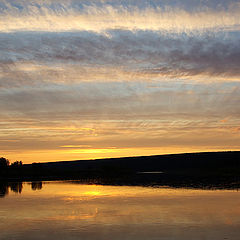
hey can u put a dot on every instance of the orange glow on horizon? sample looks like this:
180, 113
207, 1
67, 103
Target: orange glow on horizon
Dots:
91, 154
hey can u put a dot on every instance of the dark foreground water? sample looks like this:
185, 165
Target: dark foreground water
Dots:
68, 210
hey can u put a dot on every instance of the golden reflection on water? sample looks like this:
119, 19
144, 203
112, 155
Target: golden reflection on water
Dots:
77, 211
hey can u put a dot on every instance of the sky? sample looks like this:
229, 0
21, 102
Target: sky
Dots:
84, 79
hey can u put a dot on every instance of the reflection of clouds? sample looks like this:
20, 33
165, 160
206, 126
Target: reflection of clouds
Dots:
65, 207
75, 217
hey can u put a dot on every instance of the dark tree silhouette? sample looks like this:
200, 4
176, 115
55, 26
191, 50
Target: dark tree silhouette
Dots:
16, 164
4, 163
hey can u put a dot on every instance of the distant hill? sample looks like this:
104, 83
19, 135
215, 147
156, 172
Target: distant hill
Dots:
206, 167
198, 161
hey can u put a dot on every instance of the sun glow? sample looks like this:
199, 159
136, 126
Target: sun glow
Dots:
93, 193
62, 155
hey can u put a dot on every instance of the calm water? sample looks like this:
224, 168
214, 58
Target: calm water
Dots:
65, 210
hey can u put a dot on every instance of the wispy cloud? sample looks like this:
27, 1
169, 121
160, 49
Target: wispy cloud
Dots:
143, 55
69, 16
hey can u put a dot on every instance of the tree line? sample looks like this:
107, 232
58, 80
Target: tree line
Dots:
5, 163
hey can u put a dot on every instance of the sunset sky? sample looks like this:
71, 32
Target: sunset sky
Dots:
85, 79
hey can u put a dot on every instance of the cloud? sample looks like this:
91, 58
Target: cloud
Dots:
98, 17
30, 58
121, 100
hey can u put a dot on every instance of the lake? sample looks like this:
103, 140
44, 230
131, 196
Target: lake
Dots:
71, 210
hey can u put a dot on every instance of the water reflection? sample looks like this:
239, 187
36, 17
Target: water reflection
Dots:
16, 187
36, 186
3, 189
70, 210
